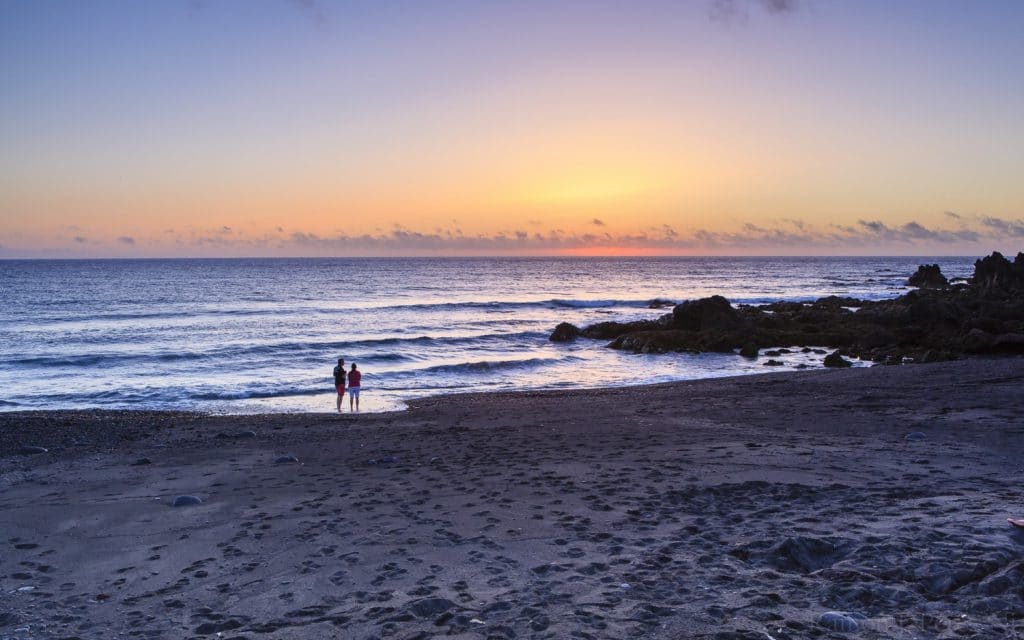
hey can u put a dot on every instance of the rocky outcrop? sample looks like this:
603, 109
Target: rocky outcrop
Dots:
928, 276
933, 323
714, 313
564, 332
997, 274
836, 359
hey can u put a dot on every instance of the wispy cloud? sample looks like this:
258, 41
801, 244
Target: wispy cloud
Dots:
738, 11
313, 8
1012, 228
962, 233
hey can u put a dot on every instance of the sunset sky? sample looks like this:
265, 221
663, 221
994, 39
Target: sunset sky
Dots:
318, 128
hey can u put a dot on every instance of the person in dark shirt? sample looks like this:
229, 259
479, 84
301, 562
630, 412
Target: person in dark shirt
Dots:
354, 377
339, 381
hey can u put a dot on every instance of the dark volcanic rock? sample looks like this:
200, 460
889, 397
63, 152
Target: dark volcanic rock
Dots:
564, 332
707, 313
928, 276
835, 359
997, 273
610, 330
932, 323
749, 350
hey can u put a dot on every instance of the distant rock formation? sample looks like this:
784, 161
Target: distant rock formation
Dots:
928, 276
935, 322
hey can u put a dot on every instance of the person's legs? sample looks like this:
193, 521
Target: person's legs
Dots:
351, 399
357, 402
341, 396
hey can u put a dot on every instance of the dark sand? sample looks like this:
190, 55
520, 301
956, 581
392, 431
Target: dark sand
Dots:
732, 508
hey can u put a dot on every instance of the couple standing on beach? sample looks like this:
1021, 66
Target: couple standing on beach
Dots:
354, 378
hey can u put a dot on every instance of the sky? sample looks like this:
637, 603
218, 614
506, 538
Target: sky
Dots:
192, 128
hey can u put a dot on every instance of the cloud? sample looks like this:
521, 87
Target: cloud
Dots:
313, 8
913, 231
1012, 228
764, 237
738, 11
597, 222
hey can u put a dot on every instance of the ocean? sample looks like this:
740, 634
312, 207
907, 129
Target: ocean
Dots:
262, 335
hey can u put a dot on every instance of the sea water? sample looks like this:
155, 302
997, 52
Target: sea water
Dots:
262, 335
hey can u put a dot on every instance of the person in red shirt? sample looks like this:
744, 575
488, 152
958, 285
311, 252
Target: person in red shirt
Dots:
354, 377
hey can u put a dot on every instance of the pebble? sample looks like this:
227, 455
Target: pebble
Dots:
915, 435
142, 461
32, 450
187, 501
838, 621
285, 460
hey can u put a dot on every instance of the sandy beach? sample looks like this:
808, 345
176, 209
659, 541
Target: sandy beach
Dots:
730, 509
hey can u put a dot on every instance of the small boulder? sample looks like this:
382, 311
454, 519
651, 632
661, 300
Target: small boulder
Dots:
564, 332
659, 303
838, 621
915, 435
285, 460
834, 359
749, 350
186, 501
141, 462
774, 363
707, 313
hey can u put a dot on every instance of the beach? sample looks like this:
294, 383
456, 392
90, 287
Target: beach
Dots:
733, 508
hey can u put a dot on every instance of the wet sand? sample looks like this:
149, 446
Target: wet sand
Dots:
730, 509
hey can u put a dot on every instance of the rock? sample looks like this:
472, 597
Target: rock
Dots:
141, 462
985, 316
834, 359
7, 618
928, 276
915, 435
186, 501
773, 363
773, 352
659, 303
996, 273
32, 450
707, 313
286, 460
978, 341
245, 434
838, 621
564, 332
749, 350
612, 330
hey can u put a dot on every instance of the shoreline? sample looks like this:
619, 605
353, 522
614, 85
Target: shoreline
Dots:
739, 506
